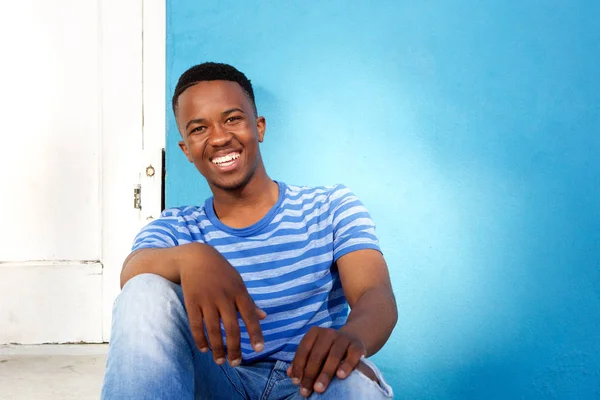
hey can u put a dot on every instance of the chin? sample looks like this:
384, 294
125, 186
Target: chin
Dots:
231, 183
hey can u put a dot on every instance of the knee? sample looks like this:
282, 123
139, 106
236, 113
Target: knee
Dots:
356, 386
147, 285
149, 329
147, 296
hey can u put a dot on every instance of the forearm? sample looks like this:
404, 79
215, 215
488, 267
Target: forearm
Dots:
372, 319
151, 261
165, 262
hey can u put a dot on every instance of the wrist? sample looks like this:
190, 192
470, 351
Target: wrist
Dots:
348, 331
195, 256
184, 256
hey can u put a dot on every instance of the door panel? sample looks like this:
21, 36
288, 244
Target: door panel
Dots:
50, 227
50, 302
51, 125
71, 106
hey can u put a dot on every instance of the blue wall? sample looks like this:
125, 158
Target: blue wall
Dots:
471, 130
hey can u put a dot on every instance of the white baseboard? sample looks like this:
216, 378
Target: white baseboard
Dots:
50, 302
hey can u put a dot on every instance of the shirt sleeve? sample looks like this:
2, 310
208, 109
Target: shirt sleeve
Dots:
166, 231
353, 228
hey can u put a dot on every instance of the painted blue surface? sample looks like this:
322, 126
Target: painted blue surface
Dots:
471, 130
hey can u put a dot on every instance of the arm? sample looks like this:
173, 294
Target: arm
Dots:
367, 287
161, 262
158, 248
323, 352
168, 262
213, 290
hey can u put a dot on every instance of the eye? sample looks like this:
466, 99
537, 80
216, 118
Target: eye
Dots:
198, 129
232, 119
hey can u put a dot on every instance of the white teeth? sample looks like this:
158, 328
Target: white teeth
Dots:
226, 158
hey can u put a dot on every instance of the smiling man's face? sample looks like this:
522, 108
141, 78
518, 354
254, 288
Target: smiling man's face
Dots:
220, 132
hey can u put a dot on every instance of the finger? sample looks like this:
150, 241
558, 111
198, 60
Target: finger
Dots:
260, 313
248, 313
316, 359
353, 356
196, 325
213, 328
302, 353
336, 354
232, 332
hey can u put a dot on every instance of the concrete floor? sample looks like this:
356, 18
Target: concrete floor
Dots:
47, 372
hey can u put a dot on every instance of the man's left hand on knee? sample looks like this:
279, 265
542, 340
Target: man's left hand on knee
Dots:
322, 354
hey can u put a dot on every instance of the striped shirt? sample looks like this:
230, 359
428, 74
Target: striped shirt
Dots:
287, 259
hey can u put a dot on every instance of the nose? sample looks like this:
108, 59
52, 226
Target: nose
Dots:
219, 136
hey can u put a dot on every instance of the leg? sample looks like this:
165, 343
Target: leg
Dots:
357, 386
152, 354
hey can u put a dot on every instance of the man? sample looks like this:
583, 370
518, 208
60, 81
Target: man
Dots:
246, 296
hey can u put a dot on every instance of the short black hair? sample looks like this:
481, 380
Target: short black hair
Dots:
211, 71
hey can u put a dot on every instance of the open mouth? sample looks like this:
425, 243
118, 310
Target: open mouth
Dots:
227, 161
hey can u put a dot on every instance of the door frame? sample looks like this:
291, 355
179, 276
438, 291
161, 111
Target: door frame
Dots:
154, 107
133, 43
135, 34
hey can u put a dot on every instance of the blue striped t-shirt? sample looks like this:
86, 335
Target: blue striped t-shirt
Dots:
287, 259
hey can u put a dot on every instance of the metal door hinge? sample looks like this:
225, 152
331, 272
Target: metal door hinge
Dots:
137, 197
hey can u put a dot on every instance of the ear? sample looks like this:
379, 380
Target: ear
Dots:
261, 125
185, 150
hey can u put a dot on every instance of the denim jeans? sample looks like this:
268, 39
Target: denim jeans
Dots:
152, 355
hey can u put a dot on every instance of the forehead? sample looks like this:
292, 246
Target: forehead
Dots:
207, 95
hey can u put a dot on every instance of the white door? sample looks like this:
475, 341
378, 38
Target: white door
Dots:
71, 152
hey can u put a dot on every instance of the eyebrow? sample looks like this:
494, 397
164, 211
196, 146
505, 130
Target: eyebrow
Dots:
194, 121
201, 120
231, 110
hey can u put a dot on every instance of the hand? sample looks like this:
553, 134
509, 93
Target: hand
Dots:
214, 291
322, 354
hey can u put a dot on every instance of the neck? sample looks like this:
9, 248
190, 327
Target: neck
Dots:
247, 205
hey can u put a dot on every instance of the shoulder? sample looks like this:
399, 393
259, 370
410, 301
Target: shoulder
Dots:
325, 201
183, 212
323, 193
183, 215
